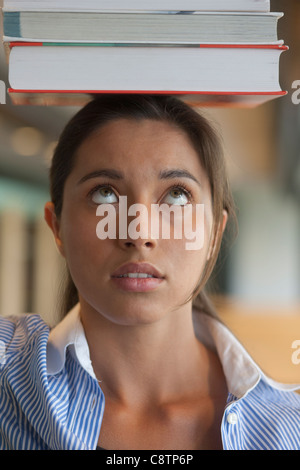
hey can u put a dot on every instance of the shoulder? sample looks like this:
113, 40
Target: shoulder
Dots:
267, 418
269, 392
18, 334
23, 342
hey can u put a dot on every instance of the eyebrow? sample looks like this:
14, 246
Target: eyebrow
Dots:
108, 173
178, 173
118, 175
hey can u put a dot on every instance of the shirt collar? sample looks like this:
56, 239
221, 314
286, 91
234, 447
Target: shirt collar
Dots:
69, 333
241, 372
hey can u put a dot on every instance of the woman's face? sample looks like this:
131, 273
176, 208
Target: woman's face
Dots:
148, 162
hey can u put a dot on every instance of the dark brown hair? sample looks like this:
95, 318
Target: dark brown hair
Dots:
198, 129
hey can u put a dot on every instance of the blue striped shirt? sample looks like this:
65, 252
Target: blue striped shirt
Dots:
51, 399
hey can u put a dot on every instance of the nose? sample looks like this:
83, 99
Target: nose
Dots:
135, 231
139, 243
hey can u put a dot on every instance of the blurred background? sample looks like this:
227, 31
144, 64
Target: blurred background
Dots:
256, 284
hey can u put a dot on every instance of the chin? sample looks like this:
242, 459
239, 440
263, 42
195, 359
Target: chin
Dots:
130, 310
136, 316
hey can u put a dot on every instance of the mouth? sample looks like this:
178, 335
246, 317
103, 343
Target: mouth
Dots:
137, 277
137, 270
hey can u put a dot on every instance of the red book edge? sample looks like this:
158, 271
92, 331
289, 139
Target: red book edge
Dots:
216, 46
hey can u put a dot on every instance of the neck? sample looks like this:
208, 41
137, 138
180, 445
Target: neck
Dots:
145, 362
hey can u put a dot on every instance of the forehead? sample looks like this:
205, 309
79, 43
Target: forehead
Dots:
138, 146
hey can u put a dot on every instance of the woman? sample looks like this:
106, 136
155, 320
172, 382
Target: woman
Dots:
140, 360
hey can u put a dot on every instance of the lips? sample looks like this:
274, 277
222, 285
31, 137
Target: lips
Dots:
145, 270
137, 278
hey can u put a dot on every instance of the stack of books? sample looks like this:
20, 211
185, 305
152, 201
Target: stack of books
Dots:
210, 52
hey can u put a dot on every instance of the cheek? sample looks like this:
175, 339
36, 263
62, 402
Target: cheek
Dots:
79, 238
185, 265
197, 231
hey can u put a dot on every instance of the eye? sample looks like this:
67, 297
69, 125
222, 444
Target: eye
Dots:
103, 194
178, 195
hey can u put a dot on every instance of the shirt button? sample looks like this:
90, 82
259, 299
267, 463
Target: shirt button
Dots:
232, 418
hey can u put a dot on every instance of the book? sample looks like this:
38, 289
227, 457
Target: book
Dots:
176, 28
207, 52
112, 5
202, 68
